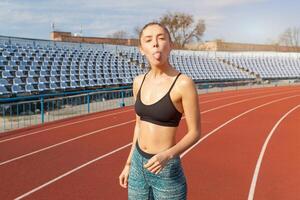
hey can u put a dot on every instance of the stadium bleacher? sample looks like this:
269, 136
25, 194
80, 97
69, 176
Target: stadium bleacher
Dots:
269, 65
31, 66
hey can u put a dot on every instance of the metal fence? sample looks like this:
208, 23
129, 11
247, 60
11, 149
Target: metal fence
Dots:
23, 113
28, 111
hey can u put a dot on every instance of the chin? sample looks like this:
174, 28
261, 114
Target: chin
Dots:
159, 62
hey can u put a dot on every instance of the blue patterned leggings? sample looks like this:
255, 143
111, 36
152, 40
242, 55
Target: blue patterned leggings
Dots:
169, 183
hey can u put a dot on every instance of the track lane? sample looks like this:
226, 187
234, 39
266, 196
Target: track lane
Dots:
241, 91
34, 170
279, 175
38, 142
222, 167
66, 180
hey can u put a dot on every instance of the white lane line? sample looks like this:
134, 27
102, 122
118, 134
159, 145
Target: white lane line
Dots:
244, 100
262, 152
72, 171
229, 97
109, 127
63, 125
230, 92
110, 153
77, 122
229, 121
64, 142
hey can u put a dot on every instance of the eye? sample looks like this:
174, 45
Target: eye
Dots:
147, 40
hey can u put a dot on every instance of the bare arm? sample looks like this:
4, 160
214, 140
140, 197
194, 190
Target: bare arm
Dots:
137, 123
135, 137
123, 178
192, 117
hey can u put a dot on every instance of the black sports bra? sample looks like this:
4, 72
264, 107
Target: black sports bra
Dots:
162, 112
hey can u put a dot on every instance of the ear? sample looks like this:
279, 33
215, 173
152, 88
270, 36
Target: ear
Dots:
141, 50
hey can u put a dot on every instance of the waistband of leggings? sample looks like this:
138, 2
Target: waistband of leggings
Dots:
143, 153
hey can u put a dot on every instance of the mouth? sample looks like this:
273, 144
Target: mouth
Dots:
157, 55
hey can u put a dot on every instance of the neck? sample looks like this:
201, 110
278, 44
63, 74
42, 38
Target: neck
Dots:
159, 70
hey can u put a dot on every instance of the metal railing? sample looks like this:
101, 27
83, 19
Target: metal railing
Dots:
23, 112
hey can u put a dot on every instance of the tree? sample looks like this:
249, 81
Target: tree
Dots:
136, 32
290, 37
119, 35
182, 28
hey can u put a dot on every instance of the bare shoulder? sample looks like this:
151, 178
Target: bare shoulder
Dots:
139, 78
185, 83
137, 82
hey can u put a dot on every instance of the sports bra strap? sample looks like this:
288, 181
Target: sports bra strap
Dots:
174, 82
171, 85
143, 80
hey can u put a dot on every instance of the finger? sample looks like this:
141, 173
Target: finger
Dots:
150, 162
158, 170
121, 178
154, 170
153, 166
126, 180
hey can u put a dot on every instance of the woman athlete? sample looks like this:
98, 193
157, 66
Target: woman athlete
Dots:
153, 169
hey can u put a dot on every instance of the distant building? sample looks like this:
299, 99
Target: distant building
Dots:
220, 45
216, 45
68, 37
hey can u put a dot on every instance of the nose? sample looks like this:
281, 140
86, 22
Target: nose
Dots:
155, 43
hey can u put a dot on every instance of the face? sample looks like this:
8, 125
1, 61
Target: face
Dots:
155, 45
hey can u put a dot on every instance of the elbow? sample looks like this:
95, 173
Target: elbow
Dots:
197, 135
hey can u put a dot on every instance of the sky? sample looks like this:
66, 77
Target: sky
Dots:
246, 21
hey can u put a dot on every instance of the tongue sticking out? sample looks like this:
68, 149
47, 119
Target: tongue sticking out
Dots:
157, 55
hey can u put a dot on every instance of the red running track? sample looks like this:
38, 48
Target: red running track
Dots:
248, 150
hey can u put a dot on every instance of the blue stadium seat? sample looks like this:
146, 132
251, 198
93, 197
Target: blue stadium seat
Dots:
53, 79
53, 86
82, 77
73, 78
54, 73
63, 79
4, 82
100, 82
33, 74
31, 80
17, 89
6, 74
3, 90
30, 88
20, 74
64, 85
74, 84
44, 73
92, 83
18, 81
42, 87
83, 83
